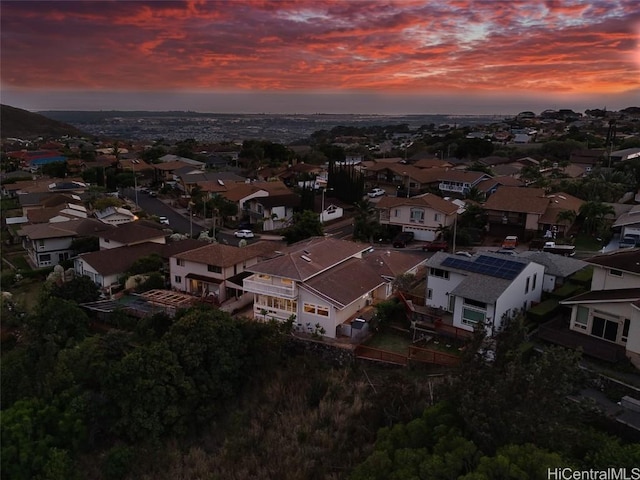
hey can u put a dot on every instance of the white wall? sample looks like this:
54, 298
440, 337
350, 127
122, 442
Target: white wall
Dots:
603, 280
440, 287
514, 296
549, 283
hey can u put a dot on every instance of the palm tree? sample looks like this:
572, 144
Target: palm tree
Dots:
593, 214
364, 223
566, 217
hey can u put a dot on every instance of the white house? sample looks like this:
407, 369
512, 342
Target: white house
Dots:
115, 215
331, 212
274, 211
48, 244
557, 268
423, 214
485, 288
607, 312
323, 282
216, 270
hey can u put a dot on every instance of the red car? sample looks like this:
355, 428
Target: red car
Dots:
436, 246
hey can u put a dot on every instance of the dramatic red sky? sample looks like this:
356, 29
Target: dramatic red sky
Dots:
342, 56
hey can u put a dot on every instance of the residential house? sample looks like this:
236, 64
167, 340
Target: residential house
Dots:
487, 288
323, 282
215, 270
274, 212
423, 214
459, 182
606, 313
407, 179
587, 159
490, 185
629, 222
624, 155
241, 193
132, 233
558, 203
115, 215
107, 267
515, 210
61, 213
48, 244
557, 268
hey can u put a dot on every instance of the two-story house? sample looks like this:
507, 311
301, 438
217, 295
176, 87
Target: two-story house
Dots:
423, 214
515, 210
273, 211
48, 244
215, 270
323, 282
606, 312
487, 288
459, 182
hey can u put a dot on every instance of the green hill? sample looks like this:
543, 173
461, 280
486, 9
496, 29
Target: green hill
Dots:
18, 123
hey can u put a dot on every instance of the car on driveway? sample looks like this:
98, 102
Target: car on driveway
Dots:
376, 192
402, 239
435, 246
244, 234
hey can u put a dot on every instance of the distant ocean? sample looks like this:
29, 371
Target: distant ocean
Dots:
212, 127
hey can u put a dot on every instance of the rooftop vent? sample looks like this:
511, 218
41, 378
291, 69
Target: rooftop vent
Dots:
305, 258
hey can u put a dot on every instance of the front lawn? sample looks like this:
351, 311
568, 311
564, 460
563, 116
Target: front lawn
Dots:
587, 242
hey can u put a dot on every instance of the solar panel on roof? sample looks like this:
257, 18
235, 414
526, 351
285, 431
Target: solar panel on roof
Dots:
486, 265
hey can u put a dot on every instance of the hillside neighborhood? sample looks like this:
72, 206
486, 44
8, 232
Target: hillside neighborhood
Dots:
388, 245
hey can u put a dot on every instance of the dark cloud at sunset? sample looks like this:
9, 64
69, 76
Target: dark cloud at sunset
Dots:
481, 50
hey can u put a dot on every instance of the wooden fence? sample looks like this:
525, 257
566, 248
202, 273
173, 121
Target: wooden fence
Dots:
422, 355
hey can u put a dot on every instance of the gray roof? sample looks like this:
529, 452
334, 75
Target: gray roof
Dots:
554, 264
481, 287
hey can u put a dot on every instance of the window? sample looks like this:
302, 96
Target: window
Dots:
533, 285
177, 279
417, 215
437, 217
286, 281
308, 308
526, 287
180, 262
396, 212
45, 258
605, 329
323, 311
41, 243
214, 269
437, 272
263, 277
625, 330
582, 318
615, 273
429, 293
475, 303
471, 317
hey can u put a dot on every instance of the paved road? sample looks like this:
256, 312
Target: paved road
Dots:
178, 221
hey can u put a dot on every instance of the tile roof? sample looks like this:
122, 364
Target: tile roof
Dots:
120, 259
425, 200
432, 163
391, 263
71, 228
132, 232
307, 258
345, 283
489, 183
287, 200
627, 260
226, 255
518, 199
467, 176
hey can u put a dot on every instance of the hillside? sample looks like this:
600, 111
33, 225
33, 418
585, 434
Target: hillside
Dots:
18, 123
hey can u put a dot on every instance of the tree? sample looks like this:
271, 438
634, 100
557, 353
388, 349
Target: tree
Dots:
106, 202
80, 289
566, 217
305, 224
593, 214
365, 224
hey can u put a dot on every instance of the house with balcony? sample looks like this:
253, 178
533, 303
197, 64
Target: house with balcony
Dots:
323, 282
485, 289
273, 211
216, 271
48, 244
459, 182
423, 214
605, 317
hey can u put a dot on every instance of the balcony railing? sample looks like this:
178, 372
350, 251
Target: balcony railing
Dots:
265, 288
447, 187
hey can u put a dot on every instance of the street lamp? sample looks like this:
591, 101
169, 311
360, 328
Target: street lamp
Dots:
322, 211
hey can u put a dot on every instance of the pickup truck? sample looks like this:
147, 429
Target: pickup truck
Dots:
566, 250
435, 246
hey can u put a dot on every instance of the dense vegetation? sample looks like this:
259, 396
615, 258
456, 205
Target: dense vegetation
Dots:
23, 124
203, 395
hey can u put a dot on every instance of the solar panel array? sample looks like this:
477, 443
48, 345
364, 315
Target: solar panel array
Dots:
486, 265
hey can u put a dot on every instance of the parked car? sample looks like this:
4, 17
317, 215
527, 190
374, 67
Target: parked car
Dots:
510, 242
376, 192
243, 234
403, 239
628, 241
435, 246
153, 193
163, 220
